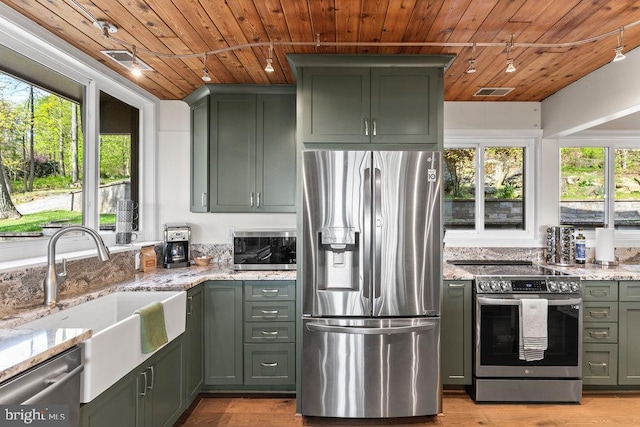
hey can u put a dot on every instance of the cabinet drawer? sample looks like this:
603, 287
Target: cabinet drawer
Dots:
630, 290
269, 332
600, 332
600, 290
600, 364
270, 290
269, 364
600, 311
272, 311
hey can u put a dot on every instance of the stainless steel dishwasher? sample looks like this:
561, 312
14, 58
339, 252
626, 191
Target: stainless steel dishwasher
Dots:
53, 382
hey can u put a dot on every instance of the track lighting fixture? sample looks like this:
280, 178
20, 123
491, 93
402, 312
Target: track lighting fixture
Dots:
205, 72
135, 67
472, 60
619, 55
269, 67
510, 67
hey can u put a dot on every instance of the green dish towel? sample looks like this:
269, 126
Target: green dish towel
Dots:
153, 331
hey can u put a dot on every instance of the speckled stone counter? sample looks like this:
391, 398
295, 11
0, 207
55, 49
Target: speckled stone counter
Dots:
23, 348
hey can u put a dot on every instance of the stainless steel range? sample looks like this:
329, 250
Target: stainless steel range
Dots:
528, 334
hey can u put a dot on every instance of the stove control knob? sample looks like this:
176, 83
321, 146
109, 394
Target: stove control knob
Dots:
564, 287
575, 287
495, 286
553, 286
505, 286
482, 286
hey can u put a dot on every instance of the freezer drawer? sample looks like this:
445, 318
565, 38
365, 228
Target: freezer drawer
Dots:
371, 368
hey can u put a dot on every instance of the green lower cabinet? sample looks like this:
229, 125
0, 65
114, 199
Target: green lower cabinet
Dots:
223, 333
600, 364
629, 362
456, 333
269, 364
194, 344
150, 395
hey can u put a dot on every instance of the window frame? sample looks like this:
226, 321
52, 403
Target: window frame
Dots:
479, 236
610, 140
25, 37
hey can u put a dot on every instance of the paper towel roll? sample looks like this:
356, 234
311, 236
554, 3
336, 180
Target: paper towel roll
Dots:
605, 250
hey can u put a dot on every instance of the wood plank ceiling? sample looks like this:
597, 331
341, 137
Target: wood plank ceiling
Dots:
184, 27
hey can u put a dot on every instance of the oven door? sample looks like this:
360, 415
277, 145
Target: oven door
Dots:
497, 337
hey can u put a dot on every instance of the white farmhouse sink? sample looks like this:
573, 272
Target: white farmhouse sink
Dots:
114, 348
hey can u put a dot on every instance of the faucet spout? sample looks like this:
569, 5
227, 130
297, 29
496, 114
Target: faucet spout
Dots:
52, 278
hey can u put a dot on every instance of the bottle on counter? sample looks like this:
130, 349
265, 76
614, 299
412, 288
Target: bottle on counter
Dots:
581, 248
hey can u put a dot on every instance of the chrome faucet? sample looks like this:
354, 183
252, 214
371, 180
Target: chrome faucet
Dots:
53, 279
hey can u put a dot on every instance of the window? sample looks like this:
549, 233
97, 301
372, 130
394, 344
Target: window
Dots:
52, 66
599, 185
485, 186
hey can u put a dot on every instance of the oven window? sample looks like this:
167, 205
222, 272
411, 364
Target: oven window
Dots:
499, 336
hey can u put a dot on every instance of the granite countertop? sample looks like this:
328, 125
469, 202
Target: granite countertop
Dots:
23, 348
20, 349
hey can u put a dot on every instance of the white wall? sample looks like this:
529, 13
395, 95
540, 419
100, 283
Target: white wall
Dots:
491, 115
608, 93
173, 185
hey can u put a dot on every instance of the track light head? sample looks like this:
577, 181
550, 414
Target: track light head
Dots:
619, 55
269, 67
472, 66
510, 67
205, 75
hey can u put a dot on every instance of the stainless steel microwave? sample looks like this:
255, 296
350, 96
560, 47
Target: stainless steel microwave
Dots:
264, 250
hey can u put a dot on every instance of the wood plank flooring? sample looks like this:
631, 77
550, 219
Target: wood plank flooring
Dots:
619, 409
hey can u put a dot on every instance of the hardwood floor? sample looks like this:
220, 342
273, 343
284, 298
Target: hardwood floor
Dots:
620, 409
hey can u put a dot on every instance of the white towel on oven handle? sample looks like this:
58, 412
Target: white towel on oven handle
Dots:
533, 329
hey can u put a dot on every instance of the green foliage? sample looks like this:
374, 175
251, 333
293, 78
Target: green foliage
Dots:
34, 222
507, 191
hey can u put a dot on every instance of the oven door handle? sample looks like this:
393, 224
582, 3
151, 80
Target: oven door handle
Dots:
516, 301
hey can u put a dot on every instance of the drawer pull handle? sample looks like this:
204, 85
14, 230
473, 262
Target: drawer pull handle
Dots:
598, 365
599, 314
270, 333
599, 334
270, 311
598, 293
269, 365
270, 292
456, 285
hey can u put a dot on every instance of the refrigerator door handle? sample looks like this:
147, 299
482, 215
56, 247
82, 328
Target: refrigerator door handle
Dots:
377, 232
392, 330
366, 243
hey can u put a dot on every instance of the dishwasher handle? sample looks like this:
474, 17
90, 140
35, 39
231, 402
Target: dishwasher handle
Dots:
55, 384
392, 330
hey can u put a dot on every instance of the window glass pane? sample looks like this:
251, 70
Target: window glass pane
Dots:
118, 171
582, 186
503, 188
459, 188
40, 160
627, 188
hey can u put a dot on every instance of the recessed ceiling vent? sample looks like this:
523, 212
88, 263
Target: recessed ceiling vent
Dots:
125, 58
493, 91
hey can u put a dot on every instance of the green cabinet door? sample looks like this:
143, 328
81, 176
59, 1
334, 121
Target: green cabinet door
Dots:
233, 151
200, 155
276, 153
164, 402
456, 333
336, 105
406, 105
223, 333
629, 344
119, 405
194, 347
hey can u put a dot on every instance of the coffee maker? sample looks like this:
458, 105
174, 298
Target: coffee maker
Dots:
177, 238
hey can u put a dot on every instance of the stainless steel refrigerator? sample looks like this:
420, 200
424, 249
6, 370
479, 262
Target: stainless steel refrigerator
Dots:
371, 279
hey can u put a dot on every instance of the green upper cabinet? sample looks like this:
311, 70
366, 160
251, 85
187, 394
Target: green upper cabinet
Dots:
200, 155
243, 148
364, 99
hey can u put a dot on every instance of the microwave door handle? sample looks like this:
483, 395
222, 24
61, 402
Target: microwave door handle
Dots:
516, 301
366, 240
